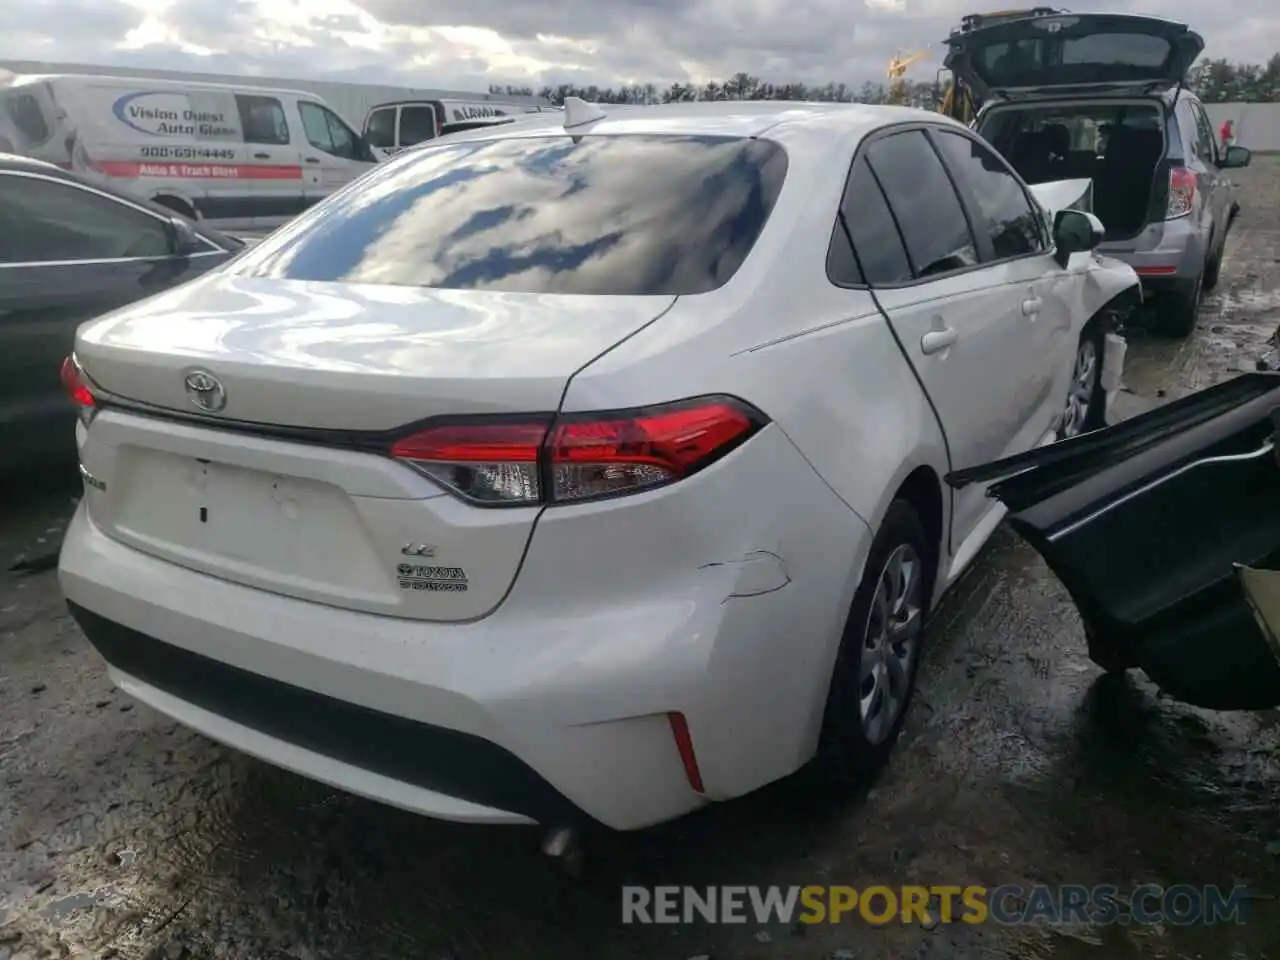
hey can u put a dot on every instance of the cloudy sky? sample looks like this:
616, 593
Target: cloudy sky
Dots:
444, 43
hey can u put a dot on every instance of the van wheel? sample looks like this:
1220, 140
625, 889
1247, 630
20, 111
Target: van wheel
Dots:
875, 671
178, 206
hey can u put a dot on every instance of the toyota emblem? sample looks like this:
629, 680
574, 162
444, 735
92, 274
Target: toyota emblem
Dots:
205, 391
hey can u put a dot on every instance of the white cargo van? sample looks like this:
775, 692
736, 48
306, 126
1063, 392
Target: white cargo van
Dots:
390, 127
236, 156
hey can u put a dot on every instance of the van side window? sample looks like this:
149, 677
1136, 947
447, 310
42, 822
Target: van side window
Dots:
24, 111
326, 131
262, 120
47, 221
417, 124
380, 128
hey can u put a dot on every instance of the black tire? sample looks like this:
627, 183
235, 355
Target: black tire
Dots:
1213, 269
1180, 307
1096, 414
846, 753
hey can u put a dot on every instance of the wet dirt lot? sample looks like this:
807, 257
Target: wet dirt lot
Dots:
122, 834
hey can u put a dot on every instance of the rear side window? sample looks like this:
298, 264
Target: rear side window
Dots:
262, 120
24, 111
48, 221
380, 128
416, 124
621, 215
924, 203
1003, 211
865, 214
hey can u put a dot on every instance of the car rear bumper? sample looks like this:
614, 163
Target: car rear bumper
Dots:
1165, 256
555, 708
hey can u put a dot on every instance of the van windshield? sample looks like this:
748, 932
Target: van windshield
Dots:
605, 215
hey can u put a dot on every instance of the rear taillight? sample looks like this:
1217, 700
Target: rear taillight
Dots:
77, 386
578, 457
1182, 192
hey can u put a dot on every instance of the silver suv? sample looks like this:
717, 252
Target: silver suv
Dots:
1100, 97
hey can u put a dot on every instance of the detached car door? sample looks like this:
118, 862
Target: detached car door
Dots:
68, 253
1165, 529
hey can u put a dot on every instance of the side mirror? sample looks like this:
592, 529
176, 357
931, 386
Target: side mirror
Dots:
1075, 231
1237, 157
183, 239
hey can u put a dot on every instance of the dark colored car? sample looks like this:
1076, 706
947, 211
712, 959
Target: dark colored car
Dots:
1166, 531
70, 250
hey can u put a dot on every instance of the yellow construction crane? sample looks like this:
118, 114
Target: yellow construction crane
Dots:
898, 72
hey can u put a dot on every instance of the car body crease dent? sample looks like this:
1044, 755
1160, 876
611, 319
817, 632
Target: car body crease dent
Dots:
758, 572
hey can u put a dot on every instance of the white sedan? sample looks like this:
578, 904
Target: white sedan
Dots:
586, 470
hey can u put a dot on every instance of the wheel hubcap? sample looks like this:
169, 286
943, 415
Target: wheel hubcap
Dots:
891, 642
1084, 378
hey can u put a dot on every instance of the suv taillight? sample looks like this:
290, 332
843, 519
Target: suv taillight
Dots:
1182, 192
77, 386
578, 457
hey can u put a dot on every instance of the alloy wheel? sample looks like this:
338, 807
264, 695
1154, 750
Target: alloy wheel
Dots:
891, 642
1084, 381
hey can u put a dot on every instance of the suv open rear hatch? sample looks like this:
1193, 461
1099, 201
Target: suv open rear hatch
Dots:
1054, 52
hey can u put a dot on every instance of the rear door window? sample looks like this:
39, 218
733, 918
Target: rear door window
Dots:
262, 120
47, 221
417, 123
623, 215
1003, 211
924, 203
881, 258
380, 128
1206, 144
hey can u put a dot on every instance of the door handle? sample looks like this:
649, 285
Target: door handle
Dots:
936, 340
262, 156
312, 159
1031, 306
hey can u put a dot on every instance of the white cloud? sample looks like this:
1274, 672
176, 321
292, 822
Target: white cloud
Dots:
442, 44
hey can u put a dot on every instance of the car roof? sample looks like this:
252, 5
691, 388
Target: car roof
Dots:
714, 118
13, 163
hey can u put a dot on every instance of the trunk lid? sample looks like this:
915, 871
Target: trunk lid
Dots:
1049, 53
290, 487
353, 357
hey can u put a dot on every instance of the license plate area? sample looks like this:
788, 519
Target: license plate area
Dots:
278, 532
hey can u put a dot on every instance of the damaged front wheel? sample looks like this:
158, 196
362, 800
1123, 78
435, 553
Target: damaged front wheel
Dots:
1086, 399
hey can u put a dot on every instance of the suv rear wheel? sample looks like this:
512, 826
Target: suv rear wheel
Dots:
1180, 307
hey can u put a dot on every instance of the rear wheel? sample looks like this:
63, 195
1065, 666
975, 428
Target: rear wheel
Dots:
875, 672
1213, 269
1181, 306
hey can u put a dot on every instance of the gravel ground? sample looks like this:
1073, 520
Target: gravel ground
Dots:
124, 835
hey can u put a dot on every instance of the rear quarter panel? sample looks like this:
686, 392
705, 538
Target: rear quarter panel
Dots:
819, 360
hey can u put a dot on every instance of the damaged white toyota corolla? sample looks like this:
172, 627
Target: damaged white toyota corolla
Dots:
585, 471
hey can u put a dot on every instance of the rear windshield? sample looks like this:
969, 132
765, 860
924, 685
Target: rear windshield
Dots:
605, 215
1065, 131
1093, 58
